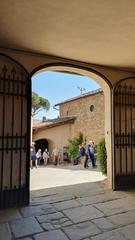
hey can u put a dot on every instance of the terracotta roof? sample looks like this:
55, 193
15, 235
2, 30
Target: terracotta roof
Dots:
99, 90
38, 124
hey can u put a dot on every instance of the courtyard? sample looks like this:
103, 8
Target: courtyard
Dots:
62, 175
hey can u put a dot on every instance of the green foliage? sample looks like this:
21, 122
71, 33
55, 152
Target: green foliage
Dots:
102, 156
73, 146
39, 104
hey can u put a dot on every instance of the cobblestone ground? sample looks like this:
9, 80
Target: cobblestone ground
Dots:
87, 211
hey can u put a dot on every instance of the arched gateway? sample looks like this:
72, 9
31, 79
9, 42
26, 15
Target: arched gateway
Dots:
124, 134
15, 110
15, 117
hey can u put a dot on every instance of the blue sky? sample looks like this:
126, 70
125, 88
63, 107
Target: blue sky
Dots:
57, 87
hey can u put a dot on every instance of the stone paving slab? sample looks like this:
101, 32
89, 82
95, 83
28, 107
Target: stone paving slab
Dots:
81, 214
103, 223
123, 218
52, 235
128, 231
112, 235
36, 210
115, 206
31, 211
66, 204
81, 230
25, 226
51, 217
99, 198
54, 198
7, 215
5, 231
48, 226
56, 224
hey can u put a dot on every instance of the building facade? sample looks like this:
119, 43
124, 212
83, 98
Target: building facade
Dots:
89, 111
84, 114
52, 133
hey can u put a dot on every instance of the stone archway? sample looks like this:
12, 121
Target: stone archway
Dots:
107, 89
42, 144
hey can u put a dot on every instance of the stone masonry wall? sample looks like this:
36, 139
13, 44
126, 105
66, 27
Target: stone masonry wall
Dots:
91, 124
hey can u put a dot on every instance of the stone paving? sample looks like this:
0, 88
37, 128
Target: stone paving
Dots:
87, 211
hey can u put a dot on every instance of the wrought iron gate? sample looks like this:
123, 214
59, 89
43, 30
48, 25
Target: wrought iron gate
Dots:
124, 134
15, 104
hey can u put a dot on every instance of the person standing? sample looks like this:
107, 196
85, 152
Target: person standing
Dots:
86, 156
92, 154
56, 154
45, 156
38, 157
32, 154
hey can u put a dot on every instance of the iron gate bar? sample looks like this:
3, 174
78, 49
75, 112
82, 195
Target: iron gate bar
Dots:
29, 97
3, 126
4, 78
21, 129
7, 142
11, 94
125, 109
8, 81
18, 86
131, 117
126, 140
15, 149
119, 97
12, 132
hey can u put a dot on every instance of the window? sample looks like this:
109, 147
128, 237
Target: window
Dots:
91, 108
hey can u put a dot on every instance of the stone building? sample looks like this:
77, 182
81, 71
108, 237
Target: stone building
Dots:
84, 113
51, 133
90, 114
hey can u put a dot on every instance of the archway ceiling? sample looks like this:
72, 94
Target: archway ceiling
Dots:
100, 31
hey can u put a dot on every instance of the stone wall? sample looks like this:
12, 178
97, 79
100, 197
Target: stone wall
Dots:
90, 123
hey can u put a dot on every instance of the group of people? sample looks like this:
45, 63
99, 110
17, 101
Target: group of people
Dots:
87, 153
35, 157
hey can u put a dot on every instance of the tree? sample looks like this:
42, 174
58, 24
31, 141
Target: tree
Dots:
39, 104
102, 155
73, 145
